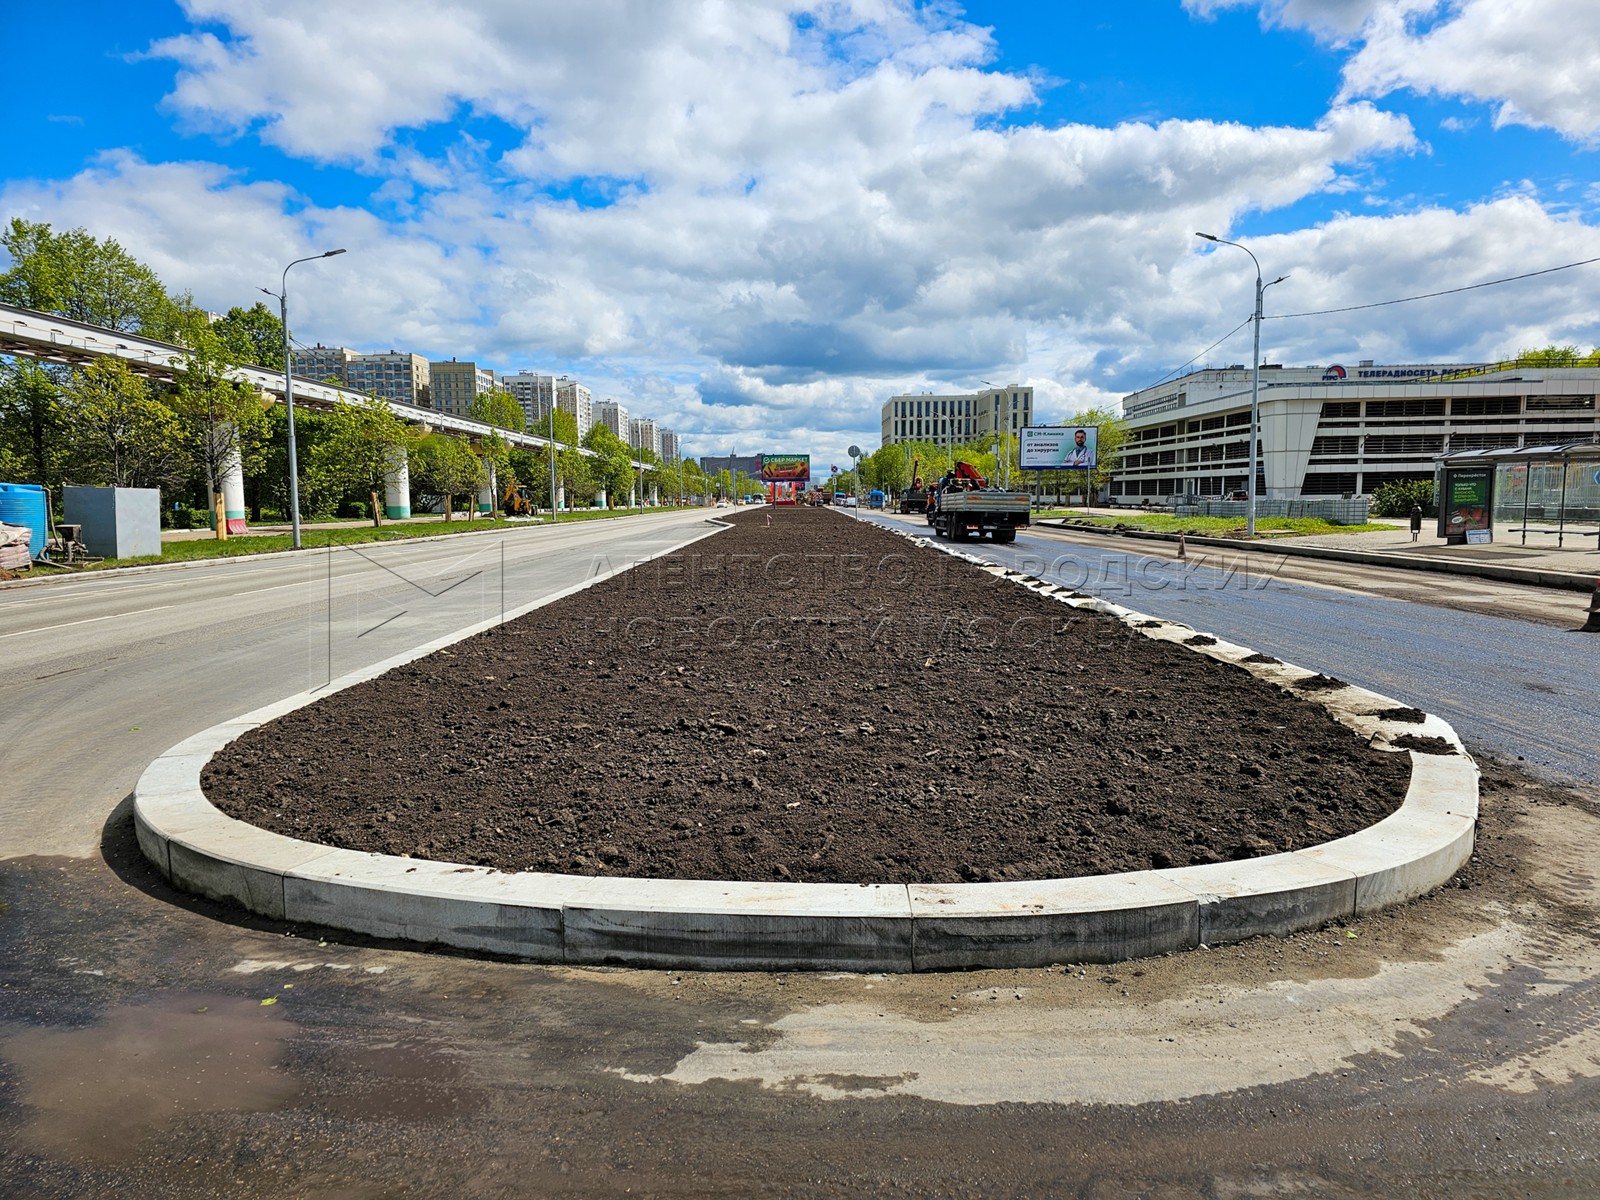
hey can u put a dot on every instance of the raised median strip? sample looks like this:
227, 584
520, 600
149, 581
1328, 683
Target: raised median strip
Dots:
859, 927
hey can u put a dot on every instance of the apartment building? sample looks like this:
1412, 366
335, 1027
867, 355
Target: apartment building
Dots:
1336, 430
671, 449
402, 378
613, 416
644, 434
457, 384
953, 419
572, 397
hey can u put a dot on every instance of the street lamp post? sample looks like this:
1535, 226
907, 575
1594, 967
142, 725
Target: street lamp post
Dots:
555, 509
288, 387
1255, 379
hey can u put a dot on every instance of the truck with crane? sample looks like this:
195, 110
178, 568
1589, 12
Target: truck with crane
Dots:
963, 505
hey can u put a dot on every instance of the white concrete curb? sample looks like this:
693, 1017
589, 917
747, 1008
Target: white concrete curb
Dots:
785, 926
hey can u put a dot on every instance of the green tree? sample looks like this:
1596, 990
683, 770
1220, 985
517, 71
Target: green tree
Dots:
499, 409
364, 441
446, 467
122, 435
253, 335
222, 417
33, 423
612, 466
76, 276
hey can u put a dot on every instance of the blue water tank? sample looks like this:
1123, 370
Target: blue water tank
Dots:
25, 504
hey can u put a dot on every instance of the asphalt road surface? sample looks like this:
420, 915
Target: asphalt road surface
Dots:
153, 1045
1501, 662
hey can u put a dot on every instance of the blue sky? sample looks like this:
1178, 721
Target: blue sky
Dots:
755, 222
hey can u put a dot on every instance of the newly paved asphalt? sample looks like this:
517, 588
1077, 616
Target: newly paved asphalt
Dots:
1510, 687
155, 1046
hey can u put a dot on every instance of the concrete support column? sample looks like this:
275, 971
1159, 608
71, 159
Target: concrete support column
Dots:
232, 480
561, 496
397, 485
486, 494
602, 498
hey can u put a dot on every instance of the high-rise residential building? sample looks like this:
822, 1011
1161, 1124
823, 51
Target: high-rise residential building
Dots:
613, 416
457, 384
532, 390
671, 450
572, 397
954, 419
645, 434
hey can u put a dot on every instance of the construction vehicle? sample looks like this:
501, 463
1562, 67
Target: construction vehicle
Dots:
515, 501
963, 505
915, 498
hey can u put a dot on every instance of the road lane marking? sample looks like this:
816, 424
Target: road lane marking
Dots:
86, 621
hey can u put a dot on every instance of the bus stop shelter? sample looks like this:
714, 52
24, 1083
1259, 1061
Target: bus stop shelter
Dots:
1542, 490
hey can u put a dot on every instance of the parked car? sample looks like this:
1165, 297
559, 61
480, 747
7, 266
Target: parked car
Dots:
1237, 496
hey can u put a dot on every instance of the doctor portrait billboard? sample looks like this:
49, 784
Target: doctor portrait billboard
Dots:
1058, 447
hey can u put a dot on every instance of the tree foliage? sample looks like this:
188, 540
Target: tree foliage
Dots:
1396, 499
499, 409
123, 436
364, 440
612, 466
75, 276
253, 335
445, 466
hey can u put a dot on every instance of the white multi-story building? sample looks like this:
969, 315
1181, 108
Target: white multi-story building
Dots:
671, 450
950, 420
532, 390
572, 397
1338, 430
644, 434
613, 416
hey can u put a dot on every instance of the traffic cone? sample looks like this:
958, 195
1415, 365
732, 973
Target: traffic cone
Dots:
1592, 625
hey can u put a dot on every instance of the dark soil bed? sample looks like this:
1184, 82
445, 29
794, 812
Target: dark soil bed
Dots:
817, 700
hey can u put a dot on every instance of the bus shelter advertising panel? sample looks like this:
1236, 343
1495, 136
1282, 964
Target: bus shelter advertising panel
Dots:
1466, 504
1058, 447
785, 468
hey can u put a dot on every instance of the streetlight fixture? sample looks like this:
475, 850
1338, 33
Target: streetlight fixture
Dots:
288, 387
1255, 378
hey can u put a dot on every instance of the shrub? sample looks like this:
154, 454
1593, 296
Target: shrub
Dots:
1396, 499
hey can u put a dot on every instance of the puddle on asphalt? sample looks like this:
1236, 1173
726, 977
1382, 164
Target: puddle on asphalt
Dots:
95, 1092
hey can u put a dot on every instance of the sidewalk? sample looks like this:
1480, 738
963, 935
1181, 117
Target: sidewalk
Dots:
1574, 566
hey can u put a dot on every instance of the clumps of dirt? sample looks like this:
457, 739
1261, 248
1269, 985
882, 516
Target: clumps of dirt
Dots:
1318, 683
1264, 659
819, 701
1148, 624
1424, 745
1200, 639
1401, 715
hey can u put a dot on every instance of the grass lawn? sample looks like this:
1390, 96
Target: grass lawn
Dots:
1218, 526
317, 537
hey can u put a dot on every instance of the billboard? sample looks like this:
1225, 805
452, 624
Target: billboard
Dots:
1058, 447
785, 468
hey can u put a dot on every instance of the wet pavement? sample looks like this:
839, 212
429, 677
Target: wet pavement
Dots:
155, 1045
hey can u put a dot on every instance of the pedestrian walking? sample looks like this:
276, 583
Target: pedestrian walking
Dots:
1416, 521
